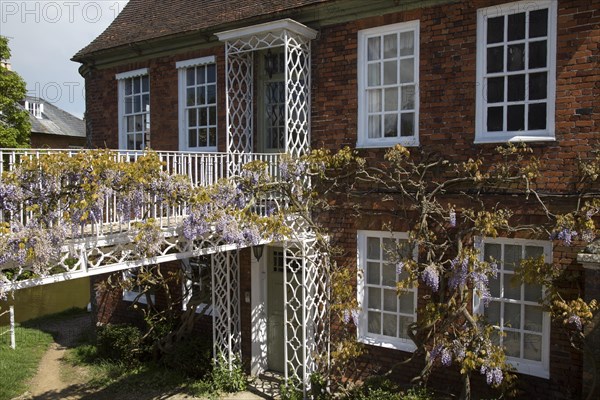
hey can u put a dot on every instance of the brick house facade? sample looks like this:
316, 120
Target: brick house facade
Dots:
450, 111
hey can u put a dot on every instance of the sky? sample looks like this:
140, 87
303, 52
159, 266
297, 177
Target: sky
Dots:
44, 35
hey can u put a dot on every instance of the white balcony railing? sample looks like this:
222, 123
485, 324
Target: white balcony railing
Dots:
202, 169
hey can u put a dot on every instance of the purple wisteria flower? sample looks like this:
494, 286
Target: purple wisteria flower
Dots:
460, 273
493, 376
10, 197
431, 277
452, 218
576, 320
565, 234
446, 357
399, 267
588, 236
195, 225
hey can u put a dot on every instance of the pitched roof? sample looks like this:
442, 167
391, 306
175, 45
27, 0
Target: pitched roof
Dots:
142, 20
55, 121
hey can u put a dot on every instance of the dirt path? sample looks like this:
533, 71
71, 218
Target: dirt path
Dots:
48, 383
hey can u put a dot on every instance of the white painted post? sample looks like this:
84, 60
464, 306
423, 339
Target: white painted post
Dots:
13, 343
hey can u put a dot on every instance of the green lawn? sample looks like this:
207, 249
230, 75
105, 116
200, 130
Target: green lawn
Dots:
18, 366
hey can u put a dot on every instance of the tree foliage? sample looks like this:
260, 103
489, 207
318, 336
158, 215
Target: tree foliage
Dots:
15, 127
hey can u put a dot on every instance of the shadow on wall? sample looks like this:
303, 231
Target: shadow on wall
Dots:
47, 299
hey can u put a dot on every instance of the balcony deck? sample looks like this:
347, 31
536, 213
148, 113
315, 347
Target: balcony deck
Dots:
105, 245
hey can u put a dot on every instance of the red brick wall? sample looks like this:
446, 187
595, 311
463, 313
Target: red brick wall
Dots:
446, 126
102, 100
39, 140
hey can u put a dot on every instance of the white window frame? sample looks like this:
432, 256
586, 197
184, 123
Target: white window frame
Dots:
182, 67
130, 295
187, 287
363, 140
535, 368
362, 330
481, 133
121, 78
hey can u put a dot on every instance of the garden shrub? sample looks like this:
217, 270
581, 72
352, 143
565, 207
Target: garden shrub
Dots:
191, 357
122, 343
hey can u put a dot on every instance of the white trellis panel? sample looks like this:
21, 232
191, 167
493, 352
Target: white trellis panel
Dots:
240, 44
305, 313
226, 305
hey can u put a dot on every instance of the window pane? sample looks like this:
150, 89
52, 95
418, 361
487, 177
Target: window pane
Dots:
516, 88
145, 84
211, 73
516, 118
373, 273
512, 344
374, 322
373, 248
191, 97
495, 90
190, 77
390, 72
408, 98
538, 54
516, 26
391, 125
192, 117
128, 87
390, 46
374, 51
533, 292
137, 85
407, 43
516, 57
538, 86
492, 313
374, 126
130, 122
202, 137
407, 124
391, 99
534, 251
407, 70
495, 119
203, 117
532, 347
538, 23
390, 324
193, 139
201, 95
533, 318
537, 116
495, 59
211, 97
200, 75
374, 72
388, 275
512, 288
407, 303
390, 300
145, 102
212, 137
403, 328
512, 315
374, 100
128, 105
492, 251
495, 30
137, 104
212, 115
512, 256
495, 287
